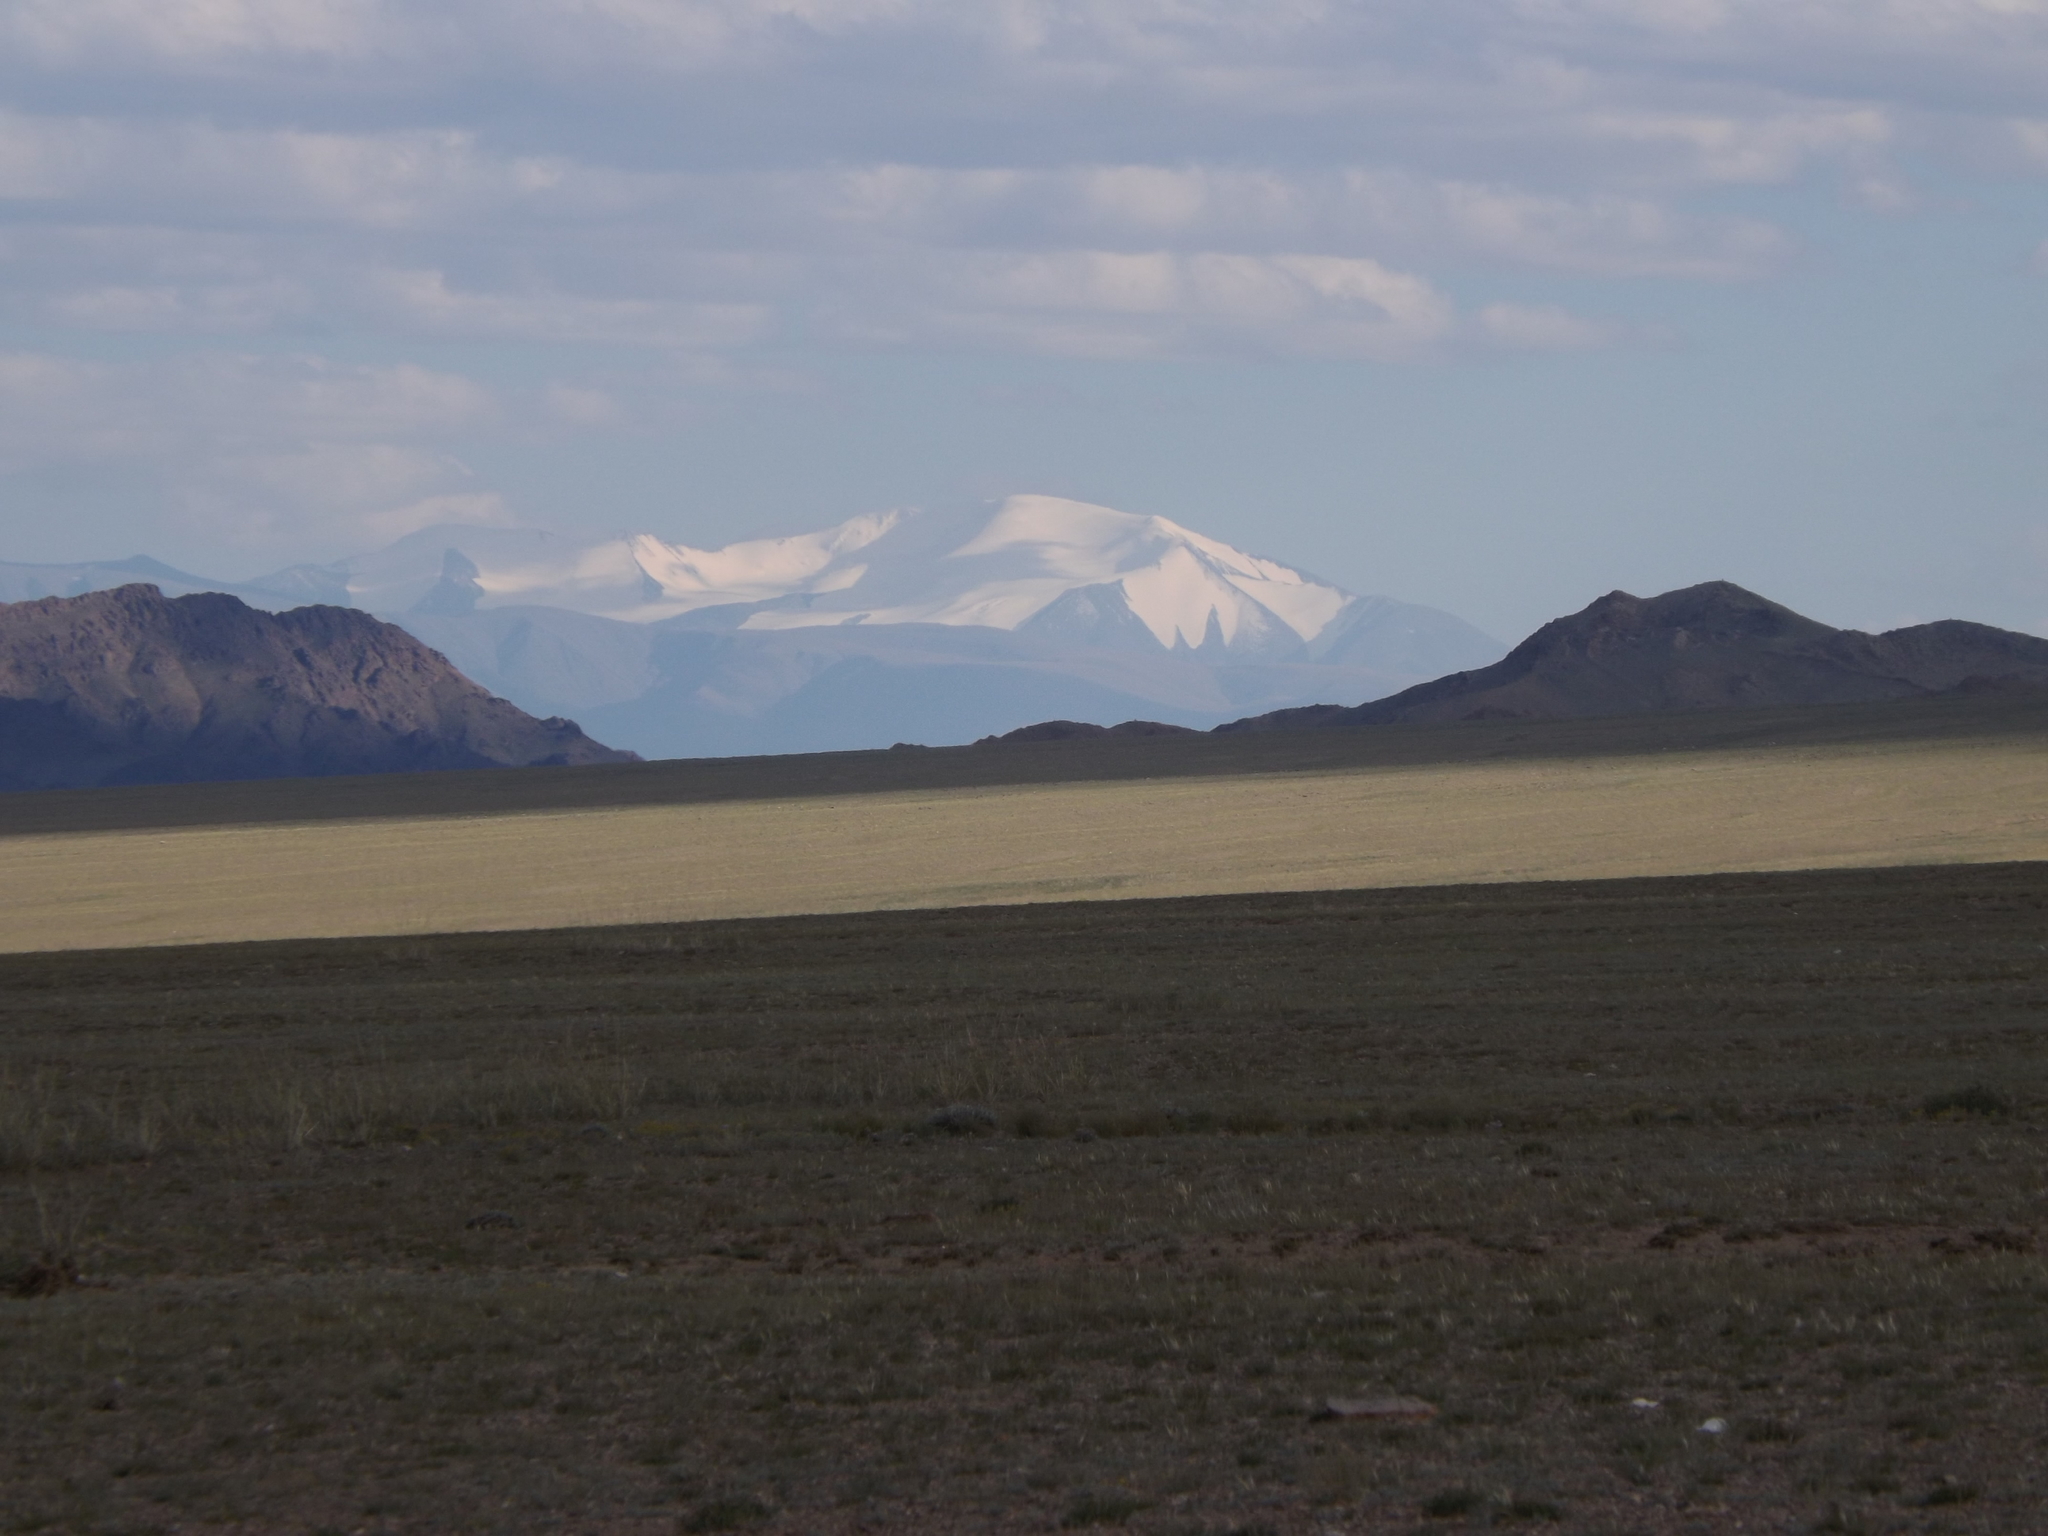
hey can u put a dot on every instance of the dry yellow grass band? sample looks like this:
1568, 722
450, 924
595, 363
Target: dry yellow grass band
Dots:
1681, 813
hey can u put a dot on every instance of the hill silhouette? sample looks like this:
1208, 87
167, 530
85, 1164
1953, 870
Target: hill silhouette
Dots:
1079, 730
1712, 646
127, 686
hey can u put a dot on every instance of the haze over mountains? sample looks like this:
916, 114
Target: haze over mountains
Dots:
944, 627
931, 626
131, 687
1711, 646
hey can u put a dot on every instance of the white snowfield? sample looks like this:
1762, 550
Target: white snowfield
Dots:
885, 568
1036, 549
754, 571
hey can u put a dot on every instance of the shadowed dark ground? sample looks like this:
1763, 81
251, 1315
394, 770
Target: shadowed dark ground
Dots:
700, 780
651, 1228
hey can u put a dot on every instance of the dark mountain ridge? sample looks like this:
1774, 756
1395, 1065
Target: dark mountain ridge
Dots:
1711, 646
127, 686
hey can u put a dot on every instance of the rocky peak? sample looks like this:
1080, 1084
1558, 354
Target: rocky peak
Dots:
129, 686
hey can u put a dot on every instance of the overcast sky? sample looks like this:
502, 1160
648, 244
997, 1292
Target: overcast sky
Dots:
1491, 304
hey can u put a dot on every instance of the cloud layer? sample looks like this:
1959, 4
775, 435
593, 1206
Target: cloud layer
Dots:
263, 442
701, 179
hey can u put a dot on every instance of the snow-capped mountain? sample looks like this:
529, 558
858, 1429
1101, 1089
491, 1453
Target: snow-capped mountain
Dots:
633, 578
1040, 562
930, 626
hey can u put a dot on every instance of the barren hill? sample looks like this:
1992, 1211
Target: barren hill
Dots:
130, 687
1713, 646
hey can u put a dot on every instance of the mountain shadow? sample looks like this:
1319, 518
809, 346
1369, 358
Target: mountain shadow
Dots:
127, 686
1713, 646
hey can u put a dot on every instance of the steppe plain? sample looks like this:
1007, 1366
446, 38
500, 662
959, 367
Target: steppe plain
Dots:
1704, 1199
1945, 780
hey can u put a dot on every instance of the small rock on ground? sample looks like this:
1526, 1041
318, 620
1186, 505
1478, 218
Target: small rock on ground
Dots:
1377, 1408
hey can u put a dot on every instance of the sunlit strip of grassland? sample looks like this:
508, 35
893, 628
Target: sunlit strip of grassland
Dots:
1789, 808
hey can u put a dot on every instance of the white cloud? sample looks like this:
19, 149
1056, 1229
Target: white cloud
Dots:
436, 184
481, 509
695, 34
192, 31
1729, 25
196, 173
1105, 177
202, 308
363, 481
1760, 149
1542, 328
1291, 57
656, 34
259, 448
423, 301
1342, 211
1159, 304
248, 232
578, 406
1163, 304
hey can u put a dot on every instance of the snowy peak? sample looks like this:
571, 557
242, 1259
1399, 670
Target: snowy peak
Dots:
1067, 569
635, 578
638, 578
1032, 559
934, 624
758, 570
1180, 585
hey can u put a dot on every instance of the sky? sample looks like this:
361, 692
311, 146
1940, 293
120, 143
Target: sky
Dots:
1496, 305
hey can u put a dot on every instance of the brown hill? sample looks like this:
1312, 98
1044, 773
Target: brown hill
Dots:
1079, 730
1713, 646
130, 687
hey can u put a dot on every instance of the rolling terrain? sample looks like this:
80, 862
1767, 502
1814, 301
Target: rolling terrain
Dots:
128, 686
1712, 646
1956, 779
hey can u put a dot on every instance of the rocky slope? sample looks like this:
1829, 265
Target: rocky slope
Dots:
1713, 646
128, 686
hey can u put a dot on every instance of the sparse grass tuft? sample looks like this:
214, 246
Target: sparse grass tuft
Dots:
1452, 1502
1973, 1100
961, 1120
1101, 1509
730, 1514
1946, 1492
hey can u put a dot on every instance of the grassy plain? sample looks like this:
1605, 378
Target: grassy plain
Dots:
1958, 780
651, 1228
